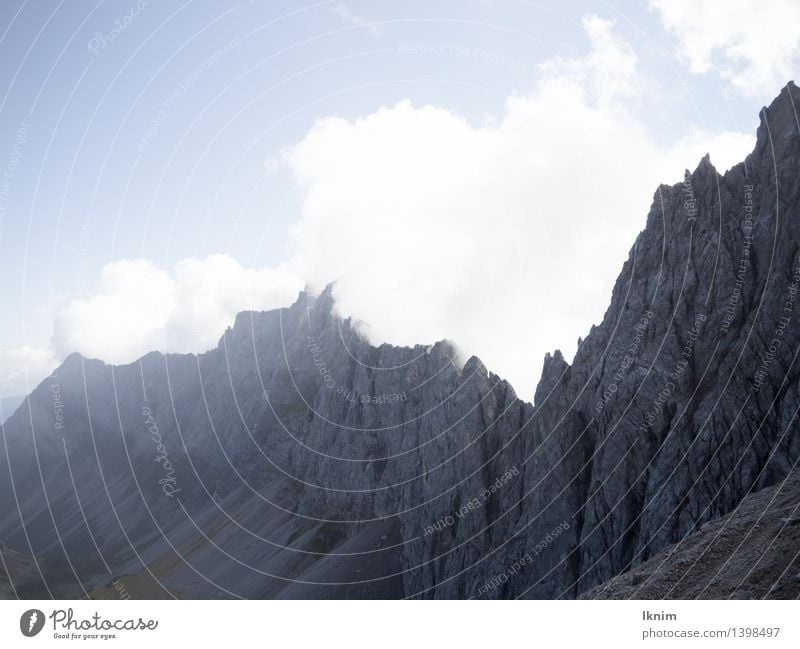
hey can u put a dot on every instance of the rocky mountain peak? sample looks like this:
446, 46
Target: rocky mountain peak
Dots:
777, 124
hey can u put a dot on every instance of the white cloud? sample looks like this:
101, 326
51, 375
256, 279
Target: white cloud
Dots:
22, 369
506, 238
754, 45
137, 307
125, 316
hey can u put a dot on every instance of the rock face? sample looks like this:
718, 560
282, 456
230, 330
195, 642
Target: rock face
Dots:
751, 553
297, 460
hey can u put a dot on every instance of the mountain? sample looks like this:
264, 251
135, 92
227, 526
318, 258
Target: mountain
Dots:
296, 460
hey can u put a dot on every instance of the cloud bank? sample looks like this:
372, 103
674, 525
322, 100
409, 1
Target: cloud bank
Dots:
137, 308
506, 238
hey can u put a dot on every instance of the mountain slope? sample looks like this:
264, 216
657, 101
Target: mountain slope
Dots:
752, 553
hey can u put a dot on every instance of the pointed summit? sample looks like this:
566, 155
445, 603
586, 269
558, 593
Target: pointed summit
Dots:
779, 125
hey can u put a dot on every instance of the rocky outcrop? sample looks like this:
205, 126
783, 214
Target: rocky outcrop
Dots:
297, 460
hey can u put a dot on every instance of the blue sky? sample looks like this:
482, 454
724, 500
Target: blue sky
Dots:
140, 138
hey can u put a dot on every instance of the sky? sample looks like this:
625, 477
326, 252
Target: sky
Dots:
475, 170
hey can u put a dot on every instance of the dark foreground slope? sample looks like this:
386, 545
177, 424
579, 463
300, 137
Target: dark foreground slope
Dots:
297, 460
751, 553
